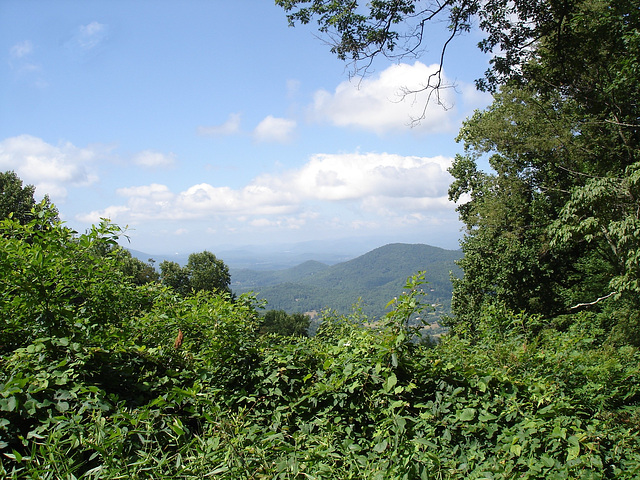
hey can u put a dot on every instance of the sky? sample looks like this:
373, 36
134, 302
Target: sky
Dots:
205, 124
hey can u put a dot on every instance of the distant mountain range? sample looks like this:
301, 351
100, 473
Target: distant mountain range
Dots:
373, 278
276, 256
290, 278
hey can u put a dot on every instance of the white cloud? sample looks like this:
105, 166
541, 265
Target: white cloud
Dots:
151, 158
52, 169
21, 62
379, 103
254, 199
377, 184
355, 176
91, 35
87, 41
273, 129
22, 49
230, 127
112, 213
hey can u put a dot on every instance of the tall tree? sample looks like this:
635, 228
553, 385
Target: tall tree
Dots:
175, 276
571, 138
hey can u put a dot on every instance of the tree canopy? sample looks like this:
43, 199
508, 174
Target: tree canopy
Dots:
555, 226
203, 272
517, 33
18, 201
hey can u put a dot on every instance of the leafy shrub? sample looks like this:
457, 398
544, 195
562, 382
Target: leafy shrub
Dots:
101, 378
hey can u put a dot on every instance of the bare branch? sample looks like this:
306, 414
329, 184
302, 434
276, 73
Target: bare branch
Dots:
588, 304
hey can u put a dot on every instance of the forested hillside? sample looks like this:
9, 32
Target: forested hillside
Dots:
245, 279
110, 371
371, 279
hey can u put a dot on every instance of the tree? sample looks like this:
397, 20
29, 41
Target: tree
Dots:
18, 200
206, 272
564, 193
53, 284
138, 271
282, 323
14, 198
203, 272
175, 276
508, 257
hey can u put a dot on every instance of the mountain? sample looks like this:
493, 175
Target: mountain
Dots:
244, 280
375, 278
271, 257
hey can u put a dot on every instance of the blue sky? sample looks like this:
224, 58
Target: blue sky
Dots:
205, 123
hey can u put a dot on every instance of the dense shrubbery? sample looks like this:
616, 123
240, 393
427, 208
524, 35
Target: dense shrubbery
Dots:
101, 378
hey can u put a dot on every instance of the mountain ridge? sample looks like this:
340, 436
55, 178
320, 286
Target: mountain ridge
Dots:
372, 279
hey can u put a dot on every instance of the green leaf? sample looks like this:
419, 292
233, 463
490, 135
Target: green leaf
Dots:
8, 404
548, 461
380, 447
467, 415
390, 382
486, 417
516, 449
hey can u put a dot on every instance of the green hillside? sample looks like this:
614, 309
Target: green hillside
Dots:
374, 278
244, 280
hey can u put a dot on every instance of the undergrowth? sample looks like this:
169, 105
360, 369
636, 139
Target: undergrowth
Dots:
94, 385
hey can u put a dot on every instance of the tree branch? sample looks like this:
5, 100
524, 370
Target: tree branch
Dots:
588, 304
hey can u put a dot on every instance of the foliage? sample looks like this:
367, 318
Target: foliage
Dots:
203, 272
103, 378
14, 198
175, 276
139, 272
554, 227
281, 323
54, 283
18, 202
174, 386
398, 29
605, 211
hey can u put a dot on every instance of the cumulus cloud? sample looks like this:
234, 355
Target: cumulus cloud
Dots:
377, 184
382, 103
273, 129
151, 159
51, 168
230, 127
356, 176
